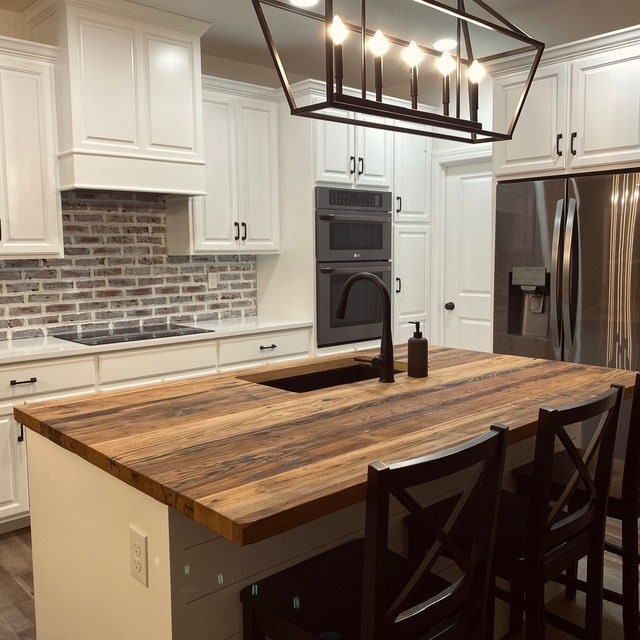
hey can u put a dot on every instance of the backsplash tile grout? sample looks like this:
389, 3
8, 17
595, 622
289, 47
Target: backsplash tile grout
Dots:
116, 274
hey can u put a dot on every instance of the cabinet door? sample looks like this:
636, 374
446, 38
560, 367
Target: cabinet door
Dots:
215, 216
412, 277
374, 154
411, 177
257, 156
539, 141
14, 494
335, 152
30, 216
605, 108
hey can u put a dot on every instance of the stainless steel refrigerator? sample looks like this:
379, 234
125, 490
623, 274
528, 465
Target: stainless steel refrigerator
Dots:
567, 269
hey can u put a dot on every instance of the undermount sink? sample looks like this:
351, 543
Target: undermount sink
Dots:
320, 379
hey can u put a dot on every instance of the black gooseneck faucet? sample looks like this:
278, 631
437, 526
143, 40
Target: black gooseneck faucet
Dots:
384, 361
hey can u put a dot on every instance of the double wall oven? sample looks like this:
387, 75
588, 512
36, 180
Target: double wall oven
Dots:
353, 234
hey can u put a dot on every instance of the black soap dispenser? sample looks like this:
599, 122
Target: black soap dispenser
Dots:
418, 354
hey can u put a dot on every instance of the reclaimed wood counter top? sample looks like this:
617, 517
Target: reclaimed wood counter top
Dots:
250, 461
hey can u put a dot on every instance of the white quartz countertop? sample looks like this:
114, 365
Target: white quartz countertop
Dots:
30, 349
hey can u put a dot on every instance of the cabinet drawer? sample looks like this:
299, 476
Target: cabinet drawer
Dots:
264, 347
156, 361
44, 377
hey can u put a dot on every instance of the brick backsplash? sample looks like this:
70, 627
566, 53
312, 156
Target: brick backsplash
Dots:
116, 274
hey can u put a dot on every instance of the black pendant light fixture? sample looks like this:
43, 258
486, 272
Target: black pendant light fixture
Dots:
379, 62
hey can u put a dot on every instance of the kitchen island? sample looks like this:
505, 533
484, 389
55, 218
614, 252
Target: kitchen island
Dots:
231, 478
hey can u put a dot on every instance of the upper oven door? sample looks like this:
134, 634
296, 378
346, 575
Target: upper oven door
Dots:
343, 235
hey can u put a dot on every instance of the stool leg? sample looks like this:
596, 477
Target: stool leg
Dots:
516, 609
571, 587
630, 616
593, 604
534, 610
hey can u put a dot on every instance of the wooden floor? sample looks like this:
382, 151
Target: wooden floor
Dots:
17, 619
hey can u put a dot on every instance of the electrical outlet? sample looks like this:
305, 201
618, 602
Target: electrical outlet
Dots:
138, 555
212, 279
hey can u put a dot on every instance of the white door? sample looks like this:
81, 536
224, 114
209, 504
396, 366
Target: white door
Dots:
467, 257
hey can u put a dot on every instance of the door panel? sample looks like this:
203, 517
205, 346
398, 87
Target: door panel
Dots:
467, 324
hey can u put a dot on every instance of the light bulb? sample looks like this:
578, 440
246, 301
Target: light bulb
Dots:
445, 63
379, 45
476, 72
338, 31
412, 55
303, 3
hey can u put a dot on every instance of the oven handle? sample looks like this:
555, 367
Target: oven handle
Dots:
369, 217
354, 269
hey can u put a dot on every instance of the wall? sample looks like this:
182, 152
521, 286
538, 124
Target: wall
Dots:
116, 274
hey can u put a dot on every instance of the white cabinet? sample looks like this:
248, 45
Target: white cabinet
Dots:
580, 113
30, 382
150, 365
412, 278
263, 348
240, 213
411, 178
538, 142
14, 491
353, 155
30, 214
128, 95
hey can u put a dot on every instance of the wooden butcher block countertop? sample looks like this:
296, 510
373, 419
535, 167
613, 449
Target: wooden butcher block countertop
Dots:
250, 461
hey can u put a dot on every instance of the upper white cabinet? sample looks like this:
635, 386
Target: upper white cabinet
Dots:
411, 177
580, 113
128, 95
240, 213
30, 215
350, 155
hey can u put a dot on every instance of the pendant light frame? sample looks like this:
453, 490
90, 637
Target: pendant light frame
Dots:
393, 116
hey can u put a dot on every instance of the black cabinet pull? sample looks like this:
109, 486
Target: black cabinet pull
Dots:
237, 228
352, 164
21, 434
244, 231
558, 149
399, 287
574, 135
399, 201
263, 348
15, 383
360, 166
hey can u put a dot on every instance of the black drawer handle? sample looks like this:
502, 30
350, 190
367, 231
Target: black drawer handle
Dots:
263, 348
352, 164
15, 383
244, 231
399, 201
558, 149
360, 166
21, 436
236, 226
574, 135
399, 287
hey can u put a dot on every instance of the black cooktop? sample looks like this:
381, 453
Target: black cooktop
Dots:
92, 338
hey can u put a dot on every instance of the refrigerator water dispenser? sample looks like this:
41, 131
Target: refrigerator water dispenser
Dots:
529, 302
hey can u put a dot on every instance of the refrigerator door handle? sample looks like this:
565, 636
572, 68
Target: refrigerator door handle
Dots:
569, 264
555, 277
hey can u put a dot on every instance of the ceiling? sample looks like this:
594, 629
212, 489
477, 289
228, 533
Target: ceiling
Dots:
235, 34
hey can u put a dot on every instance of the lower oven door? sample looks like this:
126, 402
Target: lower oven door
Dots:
363, 320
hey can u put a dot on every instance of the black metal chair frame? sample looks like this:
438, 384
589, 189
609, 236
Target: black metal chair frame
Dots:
399, 600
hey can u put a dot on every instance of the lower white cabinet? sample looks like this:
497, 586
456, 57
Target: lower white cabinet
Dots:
263, 349
14, 492
150, 365
412, 278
